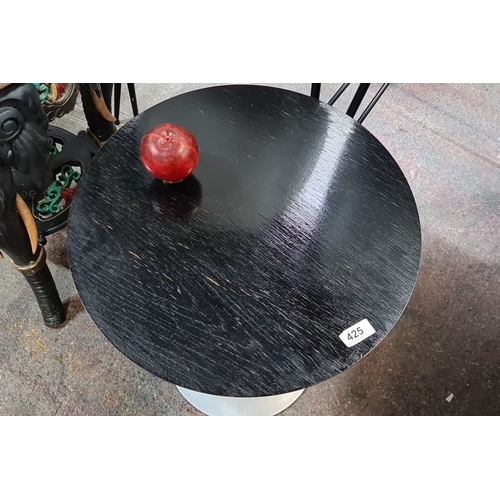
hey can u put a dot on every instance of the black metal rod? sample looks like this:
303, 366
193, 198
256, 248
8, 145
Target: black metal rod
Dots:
337, 94
118, 96
357, 99
374, 101
315, 90
133, 98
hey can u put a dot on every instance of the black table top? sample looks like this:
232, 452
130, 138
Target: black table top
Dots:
296, 225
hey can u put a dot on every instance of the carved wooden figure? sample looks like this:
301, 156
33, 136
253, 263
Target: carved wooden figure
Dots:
24, 145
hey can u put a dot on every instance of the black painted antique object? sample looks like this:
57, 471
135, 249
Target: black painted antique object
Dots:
24, 150
240, 281
39, 169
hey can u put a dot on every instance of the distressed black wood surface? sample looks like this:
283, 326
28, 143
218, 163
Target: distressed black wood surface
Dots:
296, 225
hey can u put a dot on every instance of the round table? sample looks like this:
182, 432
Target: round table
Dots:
286, 257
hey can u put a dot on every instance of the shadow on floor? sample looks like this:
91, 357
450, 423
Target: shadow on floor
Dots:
57, 252
446, 343
72, 307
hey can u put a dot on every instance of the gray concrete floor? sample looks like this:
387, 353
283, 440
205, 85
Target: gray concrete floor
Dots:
446, 139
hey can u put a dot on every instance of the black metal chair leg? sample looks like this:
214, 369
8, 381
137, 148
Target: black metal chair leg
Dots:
315, 90
133, 98
374, 101
118, 96
337, 94
356, 100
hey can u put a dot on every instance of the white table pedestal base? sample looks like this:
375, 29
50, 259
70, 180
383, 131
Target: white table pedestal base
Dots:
228, 406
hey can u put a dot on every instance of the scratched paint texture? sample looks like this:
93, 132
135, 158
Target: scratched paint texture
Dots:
296, 225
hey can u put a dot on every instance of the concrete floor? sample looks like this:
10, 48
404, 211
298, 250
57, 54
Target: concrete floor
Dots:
442, 358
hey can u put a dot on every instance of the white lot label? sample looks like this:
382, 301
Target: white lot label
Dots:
356, 333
